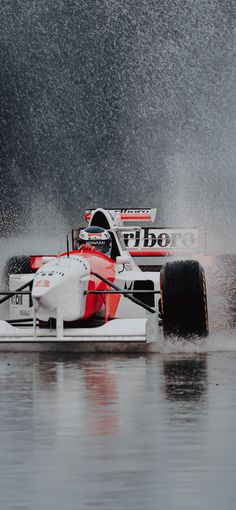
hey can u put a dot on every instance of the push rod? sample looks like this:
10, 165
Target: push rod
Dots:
124, 293
17, 291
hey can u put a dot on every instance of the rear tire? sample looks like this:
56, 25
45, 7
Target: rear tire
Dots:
184, 299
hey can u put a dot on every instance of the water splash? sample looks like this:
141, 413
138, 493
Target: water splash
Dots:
216, 342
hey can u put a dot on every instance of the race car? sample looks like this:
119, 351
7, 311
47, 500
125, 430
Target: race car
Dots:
148, 283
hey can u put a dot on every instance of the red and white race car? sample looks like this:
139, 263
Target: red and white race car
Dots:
83, 299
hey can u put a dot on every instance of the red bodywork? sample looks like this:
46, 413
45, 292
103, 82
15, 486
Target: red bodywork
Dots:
105, 267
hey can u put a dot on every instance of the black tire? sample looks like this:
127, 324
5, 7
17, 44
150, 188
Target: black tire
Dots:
184, 299
19, 264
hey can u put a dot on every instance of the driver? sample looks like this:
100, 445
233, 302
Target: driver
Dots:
97, 237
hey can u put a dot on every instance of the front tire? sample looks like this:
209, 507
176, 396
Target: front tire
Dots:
184, 299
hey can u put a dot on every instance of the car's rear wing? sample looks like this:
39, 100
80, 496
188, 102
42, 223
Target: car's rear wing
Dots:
121, 216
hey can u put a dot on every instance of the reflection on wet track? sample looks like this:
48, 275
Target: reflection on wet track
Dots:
118, 432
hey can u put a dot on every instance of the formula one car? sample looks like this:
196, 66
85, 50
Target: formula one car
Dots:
83, 299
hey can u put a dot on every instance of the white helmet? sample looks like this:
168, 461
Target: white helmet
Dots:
97, 237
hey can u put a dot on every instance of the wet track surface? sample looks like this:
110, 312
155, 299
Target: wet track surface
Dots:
120, 432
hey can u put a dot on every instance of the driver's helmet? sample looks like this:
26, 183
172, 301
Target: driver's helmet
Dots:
97, 237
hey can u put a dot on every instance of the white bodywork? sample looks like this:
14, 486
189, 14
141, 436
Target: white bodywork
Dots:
59, 285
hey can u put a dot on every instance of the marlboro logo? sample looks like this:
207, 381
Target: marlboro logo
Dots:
158, 238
